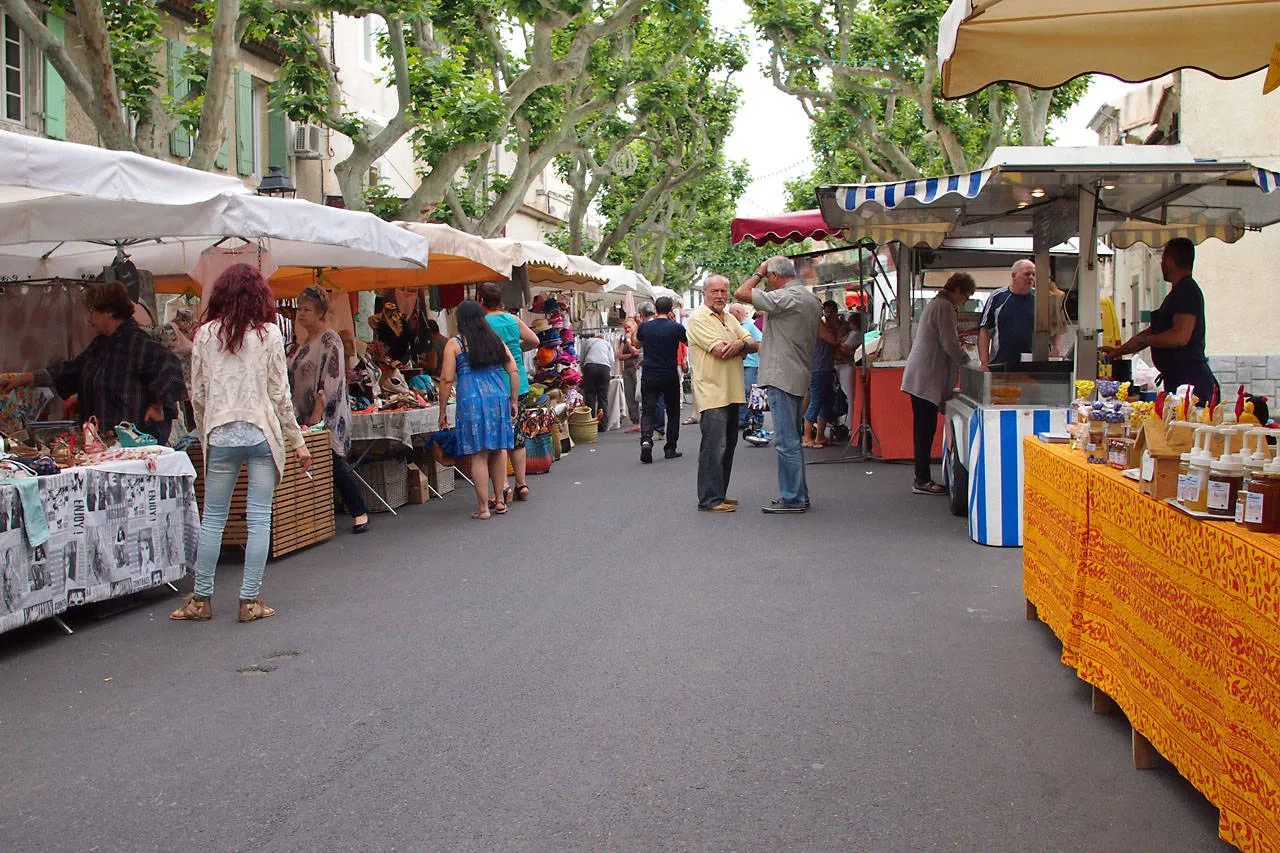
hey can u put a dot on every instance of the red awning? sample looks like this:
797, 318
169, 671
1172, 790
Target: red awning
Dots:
782, 228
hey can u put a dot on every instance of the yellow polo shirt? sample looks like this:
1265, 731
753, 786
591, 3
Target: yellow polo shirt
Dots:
717, 382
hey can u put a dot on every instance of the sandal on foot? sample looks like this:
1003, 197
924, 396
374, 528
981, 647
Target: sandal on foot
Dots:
480, 516
689, 421
500, 508
197, 608
522, 493
253, 609
507, 494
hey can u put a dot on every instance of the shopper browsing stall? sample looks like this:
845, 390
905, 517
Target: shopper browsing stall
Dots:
930, 374
519, 338
476, 360
123, 376
318, 375
240, 394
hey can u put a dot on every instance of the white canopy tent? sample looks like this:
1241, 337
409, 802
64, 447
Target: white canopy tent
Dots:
1130, 194
548, 268
623, 281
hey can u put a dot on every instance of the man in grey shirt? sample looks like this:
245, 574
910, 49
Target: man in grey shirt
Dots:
786, 352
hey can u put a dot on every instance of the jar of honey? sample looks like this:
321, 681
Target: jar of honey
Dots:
1262, 508
1225, 477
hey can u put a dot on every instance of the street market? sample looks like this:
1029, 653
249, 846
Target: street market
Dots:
577, 473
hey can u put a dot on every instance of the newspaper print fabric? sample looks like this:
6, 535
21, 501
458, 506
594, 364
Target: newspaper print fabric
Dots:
1179, 623
110, 535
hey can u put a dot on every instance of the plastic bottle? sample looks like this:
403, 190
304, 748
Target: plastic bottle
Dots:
1252, 459
1225, 476
1262, 513
1193, 490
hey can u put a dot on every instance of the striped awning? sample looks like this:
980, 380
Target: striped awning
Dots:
1146, 195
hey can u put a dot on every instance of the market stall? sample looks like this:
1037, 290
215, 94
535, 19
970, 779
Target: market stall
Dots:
1129, 194
93, 533
1174, 618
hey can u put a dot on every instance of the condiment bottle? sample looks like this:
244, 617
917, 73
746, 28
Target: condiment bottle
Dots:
1193, 489
1253, 462
1262, 511
1225, 475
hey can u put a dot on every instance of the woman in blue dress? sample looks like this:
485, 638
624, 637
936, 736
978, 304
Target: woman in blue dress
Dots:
479, 363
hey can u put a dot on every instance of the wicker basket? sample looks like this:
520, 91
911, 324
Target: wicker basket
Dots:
583, 426
389, 479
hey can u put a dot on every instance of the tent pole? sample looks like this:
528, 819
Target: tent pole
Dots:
903, 262
1040, 342
1089, 310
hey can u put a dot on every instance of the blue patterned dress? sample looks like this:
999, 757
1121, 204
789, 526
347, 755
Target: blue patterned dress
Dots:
484, 407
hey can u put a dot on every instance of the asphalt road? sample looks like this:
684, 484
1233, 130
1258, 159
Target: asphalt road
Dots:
603, 668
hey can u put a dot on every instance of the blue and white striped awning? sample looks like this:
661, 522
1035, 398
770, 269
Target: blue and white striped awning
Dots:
1148, 194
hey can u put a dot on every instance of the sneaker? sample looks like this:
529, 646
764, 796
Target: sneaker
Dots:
756, 440
661, 433
672, 454
646, 453
779, 509
776, 502
930, 488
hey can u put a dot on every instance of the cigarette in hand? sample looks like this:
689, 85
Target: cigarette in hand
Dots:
308, 473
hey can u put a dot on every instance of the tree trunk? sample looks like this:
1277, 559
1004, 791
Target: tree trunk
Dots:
223, 54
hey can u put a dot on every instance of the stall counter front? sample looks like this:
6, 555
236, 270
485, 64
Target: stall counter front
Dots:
1177, 620
890, 411
112, 530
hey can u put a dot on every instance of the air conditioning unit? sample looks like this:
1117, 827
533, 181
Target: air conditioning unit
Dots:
308, 141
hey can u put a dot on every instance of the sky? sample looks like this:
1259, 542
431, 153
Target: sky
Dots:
771, 131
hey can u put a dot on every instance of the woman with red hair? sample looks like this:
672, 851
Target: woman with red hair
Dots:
244, 413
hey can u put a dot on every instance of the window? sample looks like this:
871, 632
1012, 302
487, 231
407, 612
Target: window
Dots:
14, 68
371, 27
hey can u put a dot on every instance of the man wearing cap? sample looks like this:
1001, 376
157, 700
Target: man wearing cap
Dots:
786, 352
717, 344
660, 338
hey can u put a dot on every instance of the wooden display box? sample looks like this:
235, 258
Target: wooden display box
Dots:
1158, 460
301, 510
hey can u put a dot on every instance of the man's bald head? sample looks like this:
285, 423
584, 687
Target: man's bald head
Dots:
739, 311
715, 292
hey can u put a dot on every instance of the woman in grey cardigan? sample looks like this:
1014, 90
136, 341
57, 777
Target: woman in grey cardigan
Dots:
930, 375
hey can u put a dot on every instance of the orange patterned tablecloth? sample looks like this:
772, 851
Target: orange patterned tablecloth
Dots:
1178, 621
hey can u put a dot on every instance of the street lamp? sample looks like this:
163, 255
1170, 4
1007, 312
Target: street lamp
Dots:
277, 184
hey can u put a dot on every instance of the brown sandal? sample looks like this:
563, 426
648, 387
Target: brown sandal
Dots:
197, 608
253, 609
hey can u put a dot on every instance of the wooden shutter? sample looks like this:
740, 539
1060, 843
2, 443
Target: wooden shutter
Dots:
244, 123
55, 89
277, 138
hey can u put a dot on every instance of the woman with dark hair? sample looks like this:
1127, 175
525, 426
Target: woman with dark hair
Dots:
123, 375
240, 394
318, 376
930, 374
518, 337
487, 401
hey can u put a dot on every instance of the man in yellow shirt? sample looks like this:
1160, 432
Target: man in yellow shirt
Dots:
717, 345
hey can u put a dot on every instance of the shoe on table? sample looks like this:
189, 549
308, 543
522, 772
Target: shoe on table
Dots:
929, 488
672, 454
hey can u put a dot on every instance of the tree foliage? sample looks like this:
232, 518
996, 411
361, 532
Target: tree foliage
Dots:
866, 74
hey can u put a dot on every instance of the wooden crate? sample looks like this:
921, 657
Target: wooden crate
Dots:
301, 509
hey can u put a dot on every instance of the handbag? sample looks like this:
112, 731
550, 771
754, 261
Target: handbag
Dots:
93, 443
130, 436
758, 400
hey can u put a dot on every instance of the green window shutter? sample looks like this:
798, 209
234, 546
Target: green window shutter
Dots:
244, 123
179, 139
277, 138
55, 90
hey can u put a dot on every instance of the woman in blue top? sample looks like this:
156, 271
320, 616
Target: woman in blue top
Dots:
488, 391
518, 337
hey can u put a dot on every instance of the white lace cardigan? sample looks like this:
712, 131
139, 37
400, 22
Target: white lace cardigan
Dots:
251, 385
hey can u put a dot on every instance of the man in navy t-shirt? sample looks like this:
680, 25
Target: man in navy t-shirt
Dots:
659, 338
1009, 319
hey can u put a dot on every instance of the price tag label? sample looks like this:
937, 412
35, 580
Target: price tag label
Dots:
1148, 466
1253, 509
1219, 495
1241, 499
1188, 487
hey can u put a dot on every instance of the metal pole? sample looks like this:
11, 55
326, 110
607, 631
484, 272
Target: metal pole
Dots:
1089, 310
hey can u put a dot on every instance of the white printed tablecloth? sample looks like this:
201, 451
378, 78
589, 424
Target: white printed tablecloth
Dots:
111, 532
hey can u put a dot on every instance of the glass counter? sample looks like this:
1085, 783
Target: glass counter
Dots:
1032, 383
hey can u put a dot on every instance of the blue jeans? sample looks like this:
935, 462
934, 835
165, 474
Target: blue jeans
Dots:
821, 396
793, 491
222, 469
749, 375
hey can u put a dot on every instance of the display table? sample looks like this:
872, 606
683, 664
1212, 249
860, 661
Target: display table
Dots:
1175, 619
113, 530
399, 427
890, 411
301, 508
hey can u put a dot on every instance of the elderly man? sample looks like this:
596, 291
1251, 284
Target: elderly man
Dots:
660, 337
793, 316
1009, 319
717, 344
